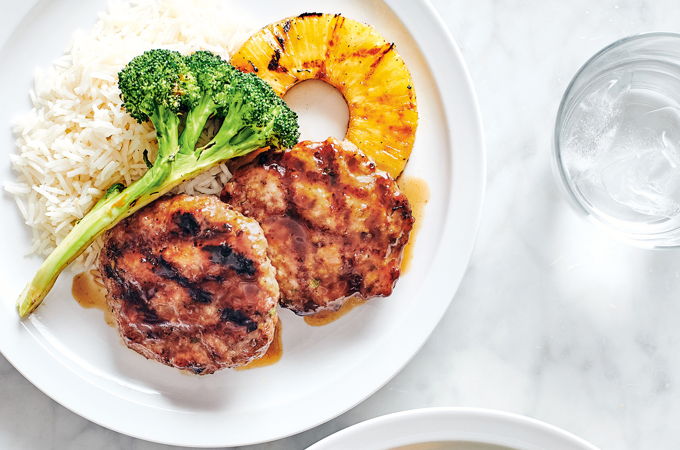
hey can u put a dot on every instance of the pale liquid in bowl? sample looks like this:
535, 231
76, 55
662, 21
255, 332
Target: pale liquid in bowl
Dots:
451, 445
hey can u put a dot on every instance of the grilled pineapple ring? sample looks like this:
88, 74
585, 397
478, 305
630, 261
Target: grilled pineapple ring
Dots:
355, 59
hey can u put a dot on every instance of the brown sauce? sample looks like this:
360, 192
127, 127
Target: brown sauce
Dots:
286, 229
273, 355
418, 194
87, 289
326, 317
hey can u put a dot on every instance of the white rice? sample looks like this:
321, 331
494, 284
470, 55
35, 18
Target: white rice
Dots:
76, 141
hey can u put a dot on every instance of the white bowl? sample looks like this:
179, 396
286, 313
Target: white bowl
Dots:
473, 425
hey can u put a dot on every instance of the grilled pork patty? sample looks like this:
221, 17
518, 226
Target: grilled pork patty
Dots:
335, 225
190, 284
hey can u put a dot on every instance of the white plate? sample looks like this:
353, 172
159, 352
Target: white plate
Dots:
72, 356
469, 425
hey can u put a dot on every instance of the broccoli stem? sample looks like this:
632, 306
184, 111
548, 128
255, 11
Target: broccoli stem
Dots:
167, 131
107, 212
161, 178
103, 216
194, 124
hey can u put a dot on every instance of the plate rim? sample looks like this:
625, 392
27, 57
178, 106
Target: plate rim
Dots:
421, 11
481, 421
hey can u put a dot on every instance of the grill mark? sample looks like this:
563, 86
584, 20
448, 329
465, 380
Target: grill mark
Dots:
358, 191
281, 41
339, 201
339, 23
328, 156
364, 52
286, 26
374, 64
274, 62
209, 232
255, 69
186, 222
133, 295
291, 212
350, 279
310, 14
334, 168
354, 281
268, 158
312, 64
141, 328
112, 250
224, 255
238, 317
215, 358
165, 269
291, 207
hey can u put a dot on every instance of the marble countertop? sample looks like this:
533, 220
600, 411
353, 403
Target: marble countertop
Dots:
554, 319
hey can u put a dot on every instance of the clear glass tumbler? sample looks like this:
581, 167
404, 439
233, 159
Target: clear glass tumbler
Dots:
617, 139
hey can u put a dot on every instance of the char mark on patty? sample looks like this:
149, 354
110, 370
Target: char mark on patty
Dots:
165, 269
336, 226
224, 255
188, 308
132, 295
187, 223
239, 318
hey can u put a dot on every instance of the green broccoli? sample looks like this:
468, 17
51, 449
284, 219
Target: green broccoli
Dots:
172, 90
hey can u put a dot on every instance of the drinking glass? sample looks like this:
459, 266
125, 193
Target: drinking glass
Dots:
617, 139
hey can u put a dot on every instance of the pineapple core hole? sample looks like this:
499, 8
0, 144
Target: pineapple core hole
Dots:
321, 108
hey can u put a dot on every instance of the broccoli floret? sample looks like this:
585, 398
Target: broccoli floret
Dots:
172, 90
157, 82
254, 116
158, 86
214, 77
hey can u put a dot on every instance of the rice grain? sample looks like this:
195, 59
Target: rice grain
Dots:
77, 140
